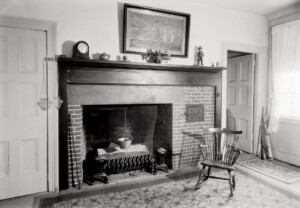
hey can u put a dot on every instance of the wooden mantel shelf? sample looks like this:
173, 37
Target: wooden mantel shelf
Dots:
136, 65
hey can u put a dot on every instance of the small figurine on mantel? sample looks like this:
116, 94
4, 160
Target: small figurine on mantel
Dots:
200, 56
125, 58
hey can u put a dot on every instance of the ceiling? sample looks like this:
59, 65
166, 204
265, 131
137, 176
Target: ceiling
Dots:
260, 7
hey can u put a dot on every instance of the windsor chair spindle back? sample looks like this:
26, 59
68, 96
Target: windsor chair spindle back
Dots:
219, 152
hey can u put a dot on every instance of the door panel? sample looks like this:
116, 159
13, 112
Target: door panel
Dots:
23, 126
230, 122
231, 95
4, 158
28, 94
240, 98
28, 55
244, 95
3, 99
3, 52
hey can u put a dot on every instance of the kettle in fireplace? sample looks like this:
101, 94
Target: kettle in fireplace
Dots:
124, 142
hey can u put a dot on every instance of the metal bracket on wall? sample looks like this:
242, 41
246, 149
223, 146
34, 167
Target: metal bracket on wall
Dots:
194, 112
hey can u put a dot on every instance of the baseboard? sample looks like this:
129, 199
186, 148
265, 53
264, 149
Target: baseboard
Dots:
286, 157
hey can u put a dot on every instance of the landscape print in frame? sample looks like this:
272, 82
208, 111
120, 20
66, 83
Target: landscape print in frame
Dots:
160, 30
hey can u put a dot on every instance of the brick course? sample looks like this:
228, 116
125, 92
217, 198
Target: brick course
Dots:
185, 149
76, 144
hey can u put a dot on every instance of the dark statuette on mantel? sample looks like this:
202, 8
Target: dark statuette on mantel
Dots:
200, 56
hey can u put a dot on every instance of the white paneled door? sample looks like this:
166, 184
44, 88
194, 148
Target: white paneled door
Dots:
23, 126
240, 81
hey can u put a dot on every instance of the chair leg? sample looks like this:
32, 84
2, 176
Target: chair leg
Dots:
208, 172
201, 178
231, 182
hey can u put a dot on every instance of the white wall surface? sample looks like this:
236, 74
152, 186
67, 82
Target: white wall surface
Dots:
286, 142
99, 22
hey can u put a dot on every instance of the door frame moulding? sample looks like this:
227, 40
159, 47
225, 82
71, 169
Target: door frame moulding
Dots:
52, 88
260, 83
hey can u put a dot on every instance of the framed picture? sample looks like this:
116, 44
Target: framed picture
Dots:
160, 30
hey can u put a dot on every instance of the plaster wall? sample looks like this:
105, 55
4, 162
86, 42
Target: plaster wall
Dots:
99, 22
285, 143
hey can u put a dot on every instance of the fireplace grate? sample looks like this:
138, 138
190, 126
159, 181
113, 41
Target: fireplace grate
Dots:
127, 163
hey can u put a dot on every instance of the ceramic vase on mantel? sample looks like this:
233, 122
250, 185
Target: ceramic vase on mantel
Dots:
104, 56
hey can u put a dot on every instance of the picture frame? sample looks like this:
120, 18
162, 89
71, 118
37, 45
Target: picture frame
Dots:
147, 28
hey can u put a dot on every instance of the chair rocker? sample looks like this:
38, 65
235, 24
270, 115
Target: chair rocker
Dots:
219, 152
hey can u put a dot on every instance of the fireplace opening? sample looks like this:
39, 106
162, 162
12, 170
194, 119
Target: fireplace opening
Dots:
147, 126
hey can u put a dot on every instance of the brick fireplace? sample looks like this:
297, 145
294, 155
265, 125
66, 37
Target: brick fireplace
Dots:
95, 83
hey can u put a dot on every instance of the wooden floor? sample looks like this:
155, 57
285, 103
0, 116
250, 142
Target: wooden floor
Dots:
28, 201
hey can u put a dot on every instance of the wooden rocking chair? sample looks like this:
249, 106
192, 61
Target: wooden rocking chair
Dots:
219, 156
